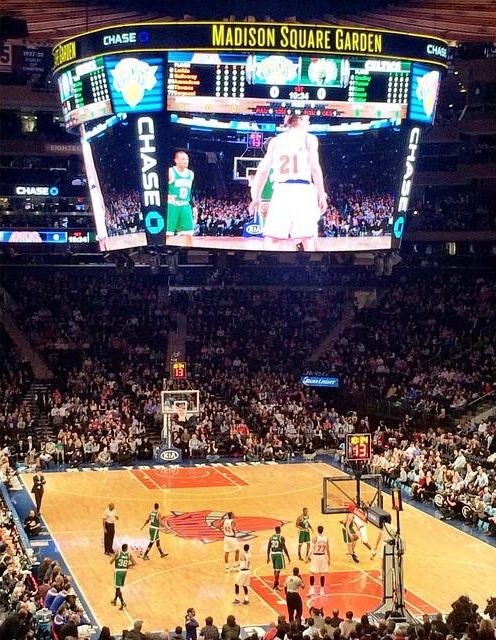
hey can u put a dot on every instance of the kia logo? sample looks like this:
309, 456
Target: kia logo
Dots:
168, 455
254, 229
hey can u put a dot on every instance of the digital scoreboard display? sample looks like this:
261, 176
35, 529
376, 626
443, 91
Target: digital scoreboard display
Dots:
84, 92
262, 85
250, 136
358, 447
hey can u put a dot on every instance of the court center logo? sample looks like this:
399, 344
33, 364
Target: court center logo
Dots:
132, 78
206, 526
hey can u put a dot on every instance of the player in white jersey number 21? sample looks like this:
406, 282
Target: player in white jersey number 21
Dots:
299, 197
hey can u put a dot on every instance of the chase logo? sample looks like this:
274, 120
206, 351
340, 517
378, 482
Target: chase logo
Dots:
437, 50
154, 222
399, 227
144, 37
119, 38
168, 455
53, 191
136, 83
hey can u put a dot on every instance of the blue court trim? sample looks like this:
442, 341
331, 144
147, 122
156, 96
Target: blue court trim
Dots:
44, 545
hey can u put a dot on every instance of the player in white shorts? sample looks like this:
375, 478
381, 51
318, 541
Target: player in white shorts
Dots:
244, 575
299, 197
320, 559
361, 529
231, 544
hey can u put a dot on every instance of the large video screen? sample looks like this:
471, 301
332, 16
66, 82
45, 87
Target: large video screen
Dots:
272, 150
287, 190
288, 152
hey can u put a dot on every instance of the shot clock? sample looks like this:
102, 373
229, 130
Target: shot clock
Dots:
358, 447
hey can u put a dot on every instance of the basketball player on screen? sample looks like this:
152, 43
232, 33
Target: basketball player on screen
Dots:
299, 197
180, 213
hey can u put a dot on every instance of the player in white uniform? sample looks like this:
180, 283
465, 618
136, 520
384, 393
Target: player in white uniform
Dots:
361, 529
230, 540
299, 197
244, 574
320, 559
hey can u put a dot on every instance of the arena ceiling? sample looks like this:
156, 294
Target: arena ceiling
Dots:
455, 20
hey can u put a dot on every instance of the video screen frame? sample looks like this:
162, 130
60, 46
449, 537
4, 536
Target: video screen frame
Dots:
380, 52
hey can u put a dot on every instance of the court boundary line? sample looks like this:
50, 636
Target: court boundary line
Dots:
319, 470
209, 472
76, 583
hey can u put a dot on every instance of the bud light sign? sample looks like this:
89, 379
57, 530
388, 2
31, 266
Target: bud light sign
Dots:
320, 381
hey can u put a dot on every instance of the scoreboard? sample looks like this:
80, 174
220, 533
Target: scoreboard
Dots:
84, 92
250, 69
262, 85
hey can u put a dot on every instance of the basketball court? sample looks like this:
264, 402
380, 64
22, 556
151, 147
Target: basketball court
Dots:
441, 562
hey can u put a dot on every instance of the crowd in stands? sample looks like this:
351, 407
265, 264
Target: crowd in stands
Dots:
15, 378
221, 217
106, 339
37, 600
453, 211
455, 470
122, 211
350, 213
400, 349
243, 349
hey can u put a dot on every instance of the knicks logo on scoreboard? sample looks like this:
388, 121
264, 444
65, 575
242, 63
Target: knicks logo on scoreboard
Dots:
132, 78
206, 526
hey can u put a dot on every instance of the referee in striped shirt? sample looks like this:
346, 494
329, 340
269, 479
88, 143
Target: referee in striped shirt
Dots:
294, 603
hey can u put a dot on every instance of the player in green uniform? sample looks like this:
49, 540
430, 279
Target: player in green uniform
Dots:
122, 560
350, 534
180, 213
304, 528
153, 521
267, 192
276, 548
